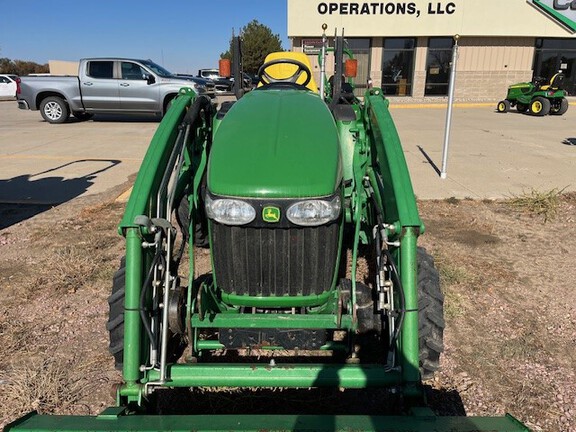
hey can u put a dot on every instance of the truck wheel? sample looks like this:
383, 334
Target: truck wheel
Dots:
521, 107
503, 106
560, 108
430, 315
168, 103
539, 106
115, 325
54, 110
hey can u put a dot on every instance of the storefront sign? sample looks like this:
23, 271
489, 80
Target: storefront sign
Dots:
563, 11
386, 8
311, 46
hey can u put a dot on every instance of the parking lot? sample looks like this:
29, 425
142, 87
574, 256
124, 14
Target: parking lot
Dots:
490, 155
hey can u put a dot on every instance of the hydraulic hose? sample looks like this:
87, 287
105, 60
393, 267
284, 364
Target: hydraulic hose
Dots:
402, 309
201, 103
394, 271
143, 293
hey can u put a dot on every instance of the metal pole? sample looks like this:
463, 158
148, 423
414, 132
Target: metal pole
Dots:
323, 65
450, 103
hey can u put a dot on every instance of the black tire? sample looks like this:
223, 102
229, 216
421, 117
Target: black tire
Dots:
82, 116
168, 103
200, 227
430, 315
115, 325
539, 106
54, 110
521, 107
503, 106
561, 108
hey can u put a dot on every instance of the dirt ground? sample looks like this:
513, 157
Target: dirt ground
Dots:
507, 272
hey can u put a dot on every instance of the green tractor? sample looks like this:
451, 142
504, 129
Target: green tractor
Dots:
289, 189
537, 97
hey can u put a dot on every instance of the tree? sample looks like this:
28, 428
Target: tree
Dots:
257, 42
21, 67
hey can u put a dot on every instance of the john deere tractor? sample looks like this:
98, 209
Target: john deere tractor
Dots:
289, 188
537, 97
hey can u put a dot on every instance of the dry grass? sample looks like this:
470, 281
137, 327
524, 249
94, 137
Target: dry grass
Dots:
508, 336
72, 268
544, 204
46, 385
84, 250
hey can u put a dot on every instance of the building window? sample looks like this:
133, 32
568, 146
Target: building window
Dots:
553, 55
360, 48
398, 66
438, 66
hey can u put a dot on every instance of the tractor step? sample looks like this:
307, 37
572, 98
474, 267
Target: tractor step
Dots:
113, 419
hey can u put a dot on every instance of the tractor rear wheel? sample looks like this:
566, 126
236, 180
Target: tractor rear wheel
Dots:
540, 106
503, 106
430, 315
115, 325
560, 108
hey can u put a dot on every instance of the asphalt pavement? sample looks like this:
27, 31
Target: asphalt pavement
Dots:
490, 155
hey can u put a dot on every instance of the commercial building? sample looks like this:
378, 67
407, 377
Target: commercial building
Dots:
405, 47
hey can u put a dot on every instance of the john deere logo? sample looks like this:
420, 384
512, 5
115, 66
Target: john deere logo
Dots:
271, 214
564, 11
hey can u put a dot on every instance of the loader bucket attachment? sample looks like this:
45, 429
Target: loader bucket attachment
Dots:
113, 421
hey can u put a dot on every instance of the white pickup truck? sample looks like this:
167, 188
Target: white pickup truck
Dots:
106, 85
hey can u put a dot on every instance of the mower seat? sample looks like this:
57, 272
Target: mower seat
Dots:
287, 70
556, 82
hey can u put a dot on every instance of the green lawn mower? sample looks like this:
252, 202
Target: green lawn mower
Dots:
537, 97
289, 189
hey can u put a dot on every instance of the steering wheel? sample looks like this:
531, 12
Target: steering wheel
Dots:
265, 78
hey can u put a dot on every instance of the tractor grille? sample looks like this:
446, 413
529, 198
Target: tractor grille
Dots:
265, 262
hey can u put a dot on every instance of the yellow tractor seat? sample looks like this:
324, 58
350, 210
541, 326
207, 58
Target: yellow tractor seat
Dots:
286, 70
555, 82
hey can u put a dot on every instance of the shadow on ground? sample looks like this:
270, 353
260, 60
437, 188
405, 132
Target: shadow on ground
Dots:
322, 401
25, 196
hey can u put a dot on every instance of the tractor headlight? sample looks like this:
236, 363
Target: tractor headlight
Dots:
229, 211
314, 212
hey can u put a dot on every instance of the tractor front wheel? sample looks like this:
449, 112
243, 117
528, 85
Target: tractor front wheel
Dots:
539, 106
200, 227
559, 108
503, 106
430, 315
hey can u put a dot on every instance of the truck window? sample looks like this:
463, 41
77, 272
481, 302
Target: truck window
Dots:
100, 69
131, 71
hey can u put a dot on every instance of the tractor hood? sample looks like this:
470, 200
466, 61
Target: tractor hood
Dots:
276, 144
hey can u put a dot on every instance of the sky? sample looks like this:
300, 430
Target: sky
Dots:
183, 36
